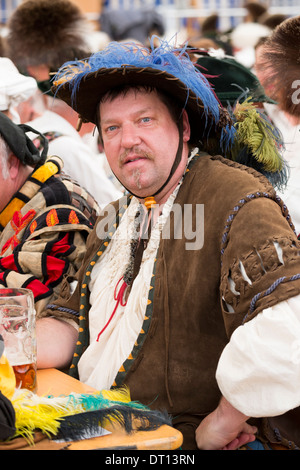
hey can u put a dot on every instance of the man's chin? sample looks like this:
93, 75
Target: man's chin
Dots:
140, 190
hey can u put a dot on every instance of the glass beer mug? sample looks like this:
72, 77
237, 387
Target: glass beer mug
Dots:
17, 327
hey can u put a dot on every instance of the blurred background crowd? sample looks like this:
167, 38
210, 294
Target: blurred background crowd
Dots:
178, 20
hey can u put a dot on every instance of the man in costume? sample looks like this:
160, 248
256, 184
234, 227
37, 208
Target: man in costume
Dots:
200, 321
45, 218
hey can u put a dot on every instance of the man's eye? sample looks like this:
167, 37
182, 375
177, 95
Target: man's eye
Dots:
110, 128
146, 119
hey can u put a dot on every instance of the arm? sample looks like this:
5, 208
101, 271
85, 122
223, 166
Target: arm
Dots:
56, 342
224, 429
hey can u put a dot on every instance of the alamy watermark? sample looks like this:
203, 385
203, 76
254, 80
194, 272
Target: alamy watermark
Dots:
296, 94
183, 223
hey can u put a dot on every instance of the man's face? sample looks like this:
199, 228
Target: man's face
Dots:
140, 140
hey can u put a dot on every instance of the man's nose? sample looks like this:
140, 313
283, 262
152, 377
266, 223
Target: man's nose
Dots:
130, 136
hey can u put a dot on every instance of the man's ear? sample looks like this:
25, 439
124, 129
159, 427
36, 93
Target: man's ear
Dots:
186, 126
13, 166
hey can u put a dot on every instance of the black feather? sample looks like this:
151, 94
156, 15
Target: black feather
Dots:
85, 425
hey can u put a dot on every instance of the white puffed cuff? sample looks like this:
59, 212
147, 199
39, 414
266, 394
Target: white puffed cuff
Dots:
259, 369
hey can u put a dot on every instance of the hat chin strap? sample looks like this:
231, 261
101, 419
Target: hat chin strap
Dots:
150, 200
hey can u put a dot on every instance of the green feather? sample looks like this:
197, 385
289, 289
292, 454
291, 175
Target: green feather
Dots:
256, 132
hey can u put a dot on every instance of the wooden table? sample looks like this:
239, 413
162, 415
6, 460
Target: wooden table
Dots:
54, 382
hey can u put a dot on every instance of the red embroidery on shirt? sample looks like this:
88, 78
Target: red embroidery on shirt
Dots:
52, 218
18, 223
73, 219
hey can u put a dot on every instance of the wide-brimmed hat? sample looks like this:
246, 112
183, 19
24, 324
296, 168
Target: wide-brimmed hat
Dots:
230, 80
82, 84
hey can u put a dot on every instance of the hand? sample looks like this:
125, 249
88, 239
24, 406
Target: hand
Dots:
224, 429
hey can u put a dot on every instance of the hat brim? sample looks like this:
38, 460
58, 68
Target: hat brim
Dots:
95, 85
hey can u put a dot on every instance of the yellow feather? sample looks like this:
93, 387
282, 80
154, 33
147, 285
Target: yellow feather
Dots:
44, 412
120, 394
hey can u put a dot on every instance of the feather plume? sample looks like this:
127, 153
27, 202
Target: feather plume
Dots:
82, 425
258, 143
73, 416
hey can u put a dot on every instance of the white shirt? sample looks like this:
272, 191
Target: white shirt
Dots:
100, 363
